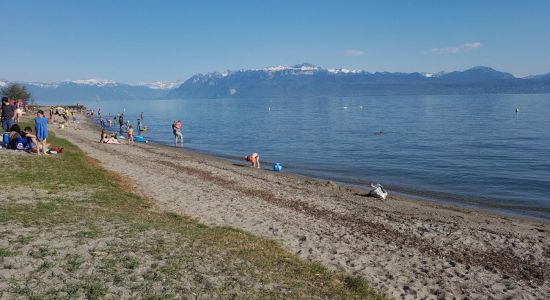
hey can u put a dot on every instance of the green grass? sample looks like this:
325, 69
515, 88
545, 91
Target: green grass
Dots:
6, 252
137, 248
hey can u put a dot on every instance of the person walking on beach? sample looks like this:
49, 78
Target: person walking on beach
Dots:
176, 130
8, 114
41, 131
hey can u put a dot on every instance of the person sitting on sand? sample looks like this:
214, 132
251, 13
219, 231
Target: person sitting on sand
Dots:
105, 139
254, 160
13, 136
31, 143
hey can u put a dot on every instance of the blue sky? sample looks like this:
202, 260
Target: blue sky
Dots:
143, 41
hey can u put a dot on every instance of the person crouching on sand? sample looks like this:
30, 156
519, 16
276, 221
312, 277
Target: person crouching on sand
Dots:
254, 160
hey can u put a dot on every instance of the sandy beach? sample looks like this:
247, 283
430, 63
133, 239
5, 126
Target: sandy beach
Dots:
407, 249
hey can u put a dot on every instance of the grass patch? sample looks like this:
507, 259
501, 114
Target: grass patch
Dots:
6, 252
41, 252
115, 236
46, 265
23, 240
73, 262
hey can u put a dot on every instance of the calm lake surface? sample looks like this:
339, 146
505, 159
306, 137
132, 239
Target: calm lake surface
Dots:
474, 150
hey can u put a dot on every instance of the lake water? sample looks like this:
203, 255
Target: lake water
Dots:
473, 150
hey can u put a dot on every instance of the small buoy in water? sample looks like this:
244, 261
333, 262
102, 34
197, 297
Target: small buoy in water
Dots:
361, 107
269, 108
277, 167
345, 107
517, 110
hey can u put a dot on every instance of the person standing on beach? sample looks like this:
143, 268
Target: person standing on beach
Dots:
18, 111
176, 130
8, 114
130, 135
41, 131
121, 120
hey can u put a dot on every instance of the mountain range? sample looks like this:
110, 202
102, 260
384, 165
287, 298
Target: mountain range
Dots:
308, 80
304, 80
94, 89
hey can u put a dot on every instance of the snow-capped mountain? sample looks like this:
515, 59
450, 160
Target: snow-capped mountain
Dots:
306, 80
93, 82
94, 89
162, 85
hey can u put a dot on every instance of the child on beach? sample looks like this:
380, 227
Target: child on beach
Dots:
176, 130
41, 130
254, 160
130, 134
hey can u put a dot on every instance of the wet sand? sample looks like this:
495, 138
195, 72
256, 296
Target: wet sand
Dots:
406, 248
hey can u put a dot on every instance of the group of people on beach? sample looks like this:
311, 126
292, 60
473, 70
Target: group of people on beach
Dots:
126, 126
113, 138
23, 140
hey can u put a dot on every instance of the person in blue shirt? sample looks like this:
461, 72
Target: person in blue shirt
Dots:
41, 130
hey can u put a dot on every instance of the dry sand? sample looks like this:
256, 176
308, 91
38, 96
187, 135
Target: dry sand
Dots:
407, 249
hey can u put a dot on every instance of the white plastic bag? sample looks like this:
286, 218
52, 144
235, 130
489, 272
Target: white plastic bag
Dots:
378, 191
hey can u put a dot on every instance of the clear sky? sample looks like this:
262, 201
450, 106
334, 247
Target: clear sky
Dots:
143, 41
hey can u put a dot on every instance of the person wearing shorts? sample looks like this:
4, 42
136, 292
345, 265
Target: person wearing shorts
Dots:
254, 160
41, 131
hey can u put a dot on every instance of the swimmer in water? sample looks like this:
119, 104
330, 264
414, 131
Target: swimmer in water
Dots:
379, 132
254, 160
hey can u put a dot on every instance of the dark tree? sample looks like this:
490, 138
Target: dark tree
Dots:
16, 91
